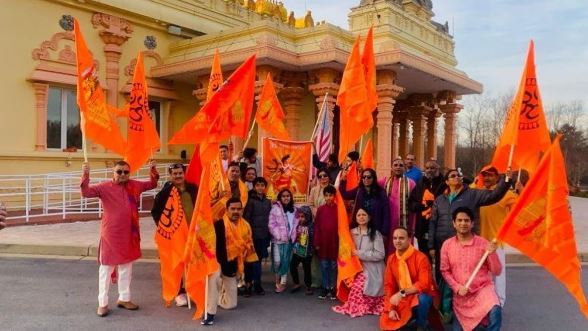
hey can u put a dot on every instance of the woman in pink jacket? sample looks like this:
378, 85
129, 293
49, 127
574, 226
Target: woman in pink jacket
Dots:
282, 227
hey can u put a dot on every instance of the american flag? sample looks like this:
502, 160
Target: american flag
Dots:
323, 139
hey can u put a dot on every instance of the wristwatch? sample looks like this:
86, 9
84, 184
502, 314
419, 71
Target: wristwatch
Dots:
403, 293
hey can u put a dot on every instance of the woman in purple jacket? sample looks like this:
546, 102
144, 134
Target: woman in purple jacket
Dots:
282, 227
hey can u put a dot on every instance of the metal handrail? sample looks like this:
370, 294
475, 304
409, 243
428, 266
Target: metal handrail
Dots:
58, 194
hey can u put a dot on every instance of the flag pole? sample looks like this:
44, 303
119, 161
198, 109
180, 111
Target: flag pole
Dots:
249, 135
510, 156
477, 269
84, 147
319, 116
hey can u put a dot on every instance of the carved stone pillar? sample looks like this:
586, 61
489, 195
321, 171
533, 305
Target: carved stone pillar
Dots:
450, 113
292, 98
417, 116
402, 121
116, 31
387, 94
432, 134
41, 96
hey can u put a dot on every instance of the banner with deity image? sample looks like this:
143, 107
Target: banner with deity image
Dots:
286, 164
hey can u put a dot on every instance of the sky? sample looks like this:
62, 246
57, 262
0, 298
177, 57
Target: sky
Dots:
492, 37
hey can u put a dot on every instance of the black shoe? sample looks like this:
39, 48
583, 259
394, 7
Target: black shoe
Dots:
323, 294
332, 294
247, 291
209, 320
295, 289
259, 290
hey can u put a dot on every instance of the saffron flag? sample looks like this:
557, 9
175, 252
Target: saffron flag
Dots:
525, 125
200, 253
368, 60
355, 116
367, 157
540, 224
170, 236
216, 76
198, 125
352, 177
269, 115
142, 136
97, 120
348, 265
194, 170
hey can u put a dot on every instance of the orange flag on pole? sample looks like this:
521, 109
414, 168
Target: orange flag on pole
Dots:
367, 157
216, 76
348, 265
540, 224
525, 126
368, 60
97, 121
142, 136
170, 236
269, 115
352, 177
200, 253
354, 116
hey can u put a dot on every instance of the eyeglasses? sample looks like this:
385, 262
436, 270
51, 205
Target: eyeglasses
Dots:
176, 166
366, 177
323, 176
454, 175
120, 172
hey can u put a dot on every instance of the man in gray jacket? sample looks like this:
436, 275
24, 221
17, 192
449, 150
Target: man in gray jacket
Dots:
458, 195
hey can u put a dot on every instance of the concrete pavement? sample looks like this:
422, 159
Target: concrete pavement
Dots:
81, 238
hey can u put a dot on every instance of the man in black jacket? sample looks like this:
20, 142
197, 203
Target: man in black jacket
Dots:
188, 194
427, 189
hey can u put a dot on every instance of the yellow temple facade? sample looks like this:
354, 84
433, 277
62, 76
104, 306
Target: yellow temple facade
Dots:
418, 83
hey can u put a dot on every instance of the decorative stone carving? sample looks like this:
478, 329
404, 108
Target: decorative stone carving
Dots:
150, 42
66, 22
42, 53
130, 69
328, 43
266, 39
112, 23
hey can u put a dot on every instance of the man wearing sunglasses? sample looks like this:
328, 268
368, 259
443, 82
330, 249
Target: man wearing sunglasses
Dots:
187, 195
119, 229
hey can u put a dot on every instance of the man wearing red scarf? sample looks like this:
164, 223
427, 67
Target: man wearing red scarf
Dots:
119, 230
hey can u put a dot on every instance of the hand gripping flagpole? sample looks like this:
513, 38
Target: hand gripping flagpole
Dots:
477, 269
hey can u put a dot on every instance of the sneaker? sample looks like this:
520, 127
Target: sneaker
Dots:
209, 320
181, 300
332, 294
323, 294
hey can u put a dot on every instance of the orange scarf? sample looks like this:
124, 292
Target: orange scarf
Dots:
239, 241
404, 282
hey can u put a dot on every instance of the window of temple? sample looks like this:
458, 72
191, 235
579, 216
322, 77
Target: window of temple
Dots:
63, 120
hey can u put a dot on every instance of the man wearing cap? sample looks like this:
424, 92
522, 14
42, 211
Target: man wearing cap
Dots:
187, 192
491, 218
119, 230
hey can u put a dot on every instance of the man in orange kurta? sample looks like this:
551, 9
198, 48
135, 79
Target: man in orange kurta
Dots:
408, 285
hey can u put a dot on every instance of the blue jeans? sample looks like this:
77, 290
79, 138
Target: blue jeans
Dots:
494, 321
329, 273
421, 311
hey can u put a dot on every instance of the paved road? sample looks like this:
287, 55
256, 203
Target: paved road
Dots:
59, 294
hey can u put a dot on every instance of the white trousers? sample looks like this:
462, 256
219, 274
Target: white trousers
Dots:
500, 280
123, 279
222, 291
